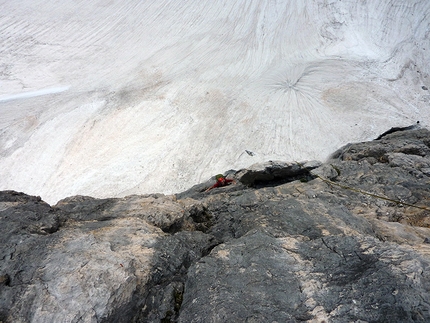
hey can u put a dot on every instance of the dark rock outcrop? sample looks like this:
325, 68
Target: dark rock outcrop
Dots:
275, 172
343, 241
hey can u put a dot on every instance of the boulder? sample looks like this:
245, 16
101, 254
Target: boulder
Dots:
274, 171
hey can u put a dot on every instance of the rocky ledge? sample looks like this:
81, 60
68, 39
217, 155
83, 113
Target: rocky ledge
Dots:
343, 241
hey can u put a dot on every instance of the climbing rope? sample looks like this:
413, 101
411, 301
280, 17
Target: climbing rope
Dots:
346, 187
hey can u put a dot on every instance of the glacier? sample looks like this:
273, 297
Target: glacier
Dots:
112, 98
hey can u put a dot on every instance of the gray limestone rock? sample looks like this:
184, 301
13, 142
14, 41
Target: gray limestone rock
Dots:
274, 171
343, 241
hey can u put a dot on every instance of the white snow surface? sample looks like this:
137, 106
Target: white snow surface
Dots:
112, 98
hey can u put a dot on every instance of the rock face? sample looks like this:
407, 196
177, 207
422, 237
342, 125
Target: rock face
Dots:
343, 241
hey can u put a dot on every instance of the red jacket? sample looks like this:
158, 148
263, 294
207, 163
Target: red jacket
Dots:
221, 182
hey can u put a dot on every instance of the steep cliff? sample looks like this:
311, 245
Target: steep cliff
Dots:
341, 241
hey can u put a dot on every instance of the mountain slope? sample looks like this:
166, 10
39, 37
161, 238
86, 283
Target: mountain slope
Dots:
130, 97
343, 241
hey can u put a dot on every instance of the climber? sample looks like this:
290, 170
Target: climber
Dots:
220, 182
